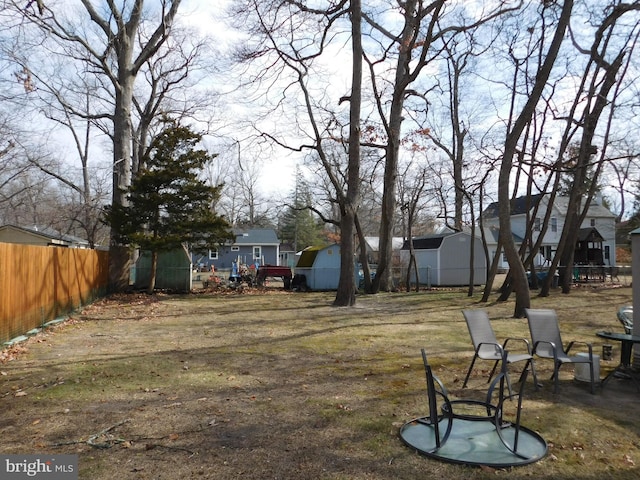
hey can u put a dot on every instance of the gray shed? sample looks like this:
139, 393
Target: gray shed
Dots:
443, 259
321, 267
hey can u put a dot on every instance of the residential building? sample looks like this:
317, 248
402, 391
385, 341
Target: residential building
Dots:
43, 236
253, 246
598, 217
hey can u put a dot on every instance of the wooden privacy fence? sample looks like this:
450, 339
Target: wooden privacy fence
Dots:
39, 284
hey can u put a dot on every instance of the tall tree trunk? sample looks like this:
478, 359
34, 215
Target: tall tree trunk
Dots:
383, 279
472, 253
364, 260
153, 273
123, 40
413, 264
491, 274
119, 263
517, 271
578, 194
346, 295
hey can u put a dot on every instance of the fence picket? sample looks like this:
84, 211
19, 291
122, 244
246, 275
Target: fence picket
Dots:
39, 284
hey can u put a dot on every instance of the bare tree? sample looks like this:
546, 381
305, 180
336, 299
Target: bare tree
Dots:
412, 200
596, 93
298, 46
111, 51
624, 167
512, 140
424, 28
171, 86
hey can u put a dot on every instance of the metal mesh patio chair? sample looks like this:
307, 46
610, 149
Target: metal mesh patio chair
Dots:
486, 346
625, 315
547, 343
473, 432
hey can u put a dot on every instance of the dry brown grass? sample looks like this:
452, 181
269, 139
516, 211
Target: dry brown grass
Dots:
282, 385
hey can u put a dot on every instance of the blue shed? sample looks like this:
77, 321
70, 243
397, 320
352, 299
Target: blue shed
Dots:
321, 267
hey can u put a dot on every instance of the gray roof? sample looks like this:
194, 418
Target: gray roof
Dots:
50, 233
256, 236
429, 242
520, 206
595, 208
494, 233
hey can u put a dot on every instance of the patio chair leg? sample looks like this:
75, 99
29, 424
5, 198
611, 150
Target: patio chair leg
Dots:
493, 370
508, 384
464, 385
534, 374
530, 365
556, 375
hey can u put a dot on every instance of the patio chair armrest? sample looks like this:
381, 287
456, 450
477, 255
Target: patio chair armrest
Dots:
443, 390
578, 342
472, 409
554, 348
520, 339
499, 348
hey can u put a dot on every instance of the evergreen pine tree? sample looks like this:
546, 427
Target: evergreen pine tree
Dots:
168, 205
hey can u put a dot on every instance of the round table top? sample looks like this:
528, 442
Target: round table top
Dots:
622, 337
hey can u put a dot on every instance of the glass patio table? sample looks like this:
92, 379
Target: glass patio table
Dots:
626, 347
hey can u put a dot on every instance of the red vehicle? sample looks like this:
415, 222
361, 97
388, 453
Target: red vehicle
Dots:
265, 271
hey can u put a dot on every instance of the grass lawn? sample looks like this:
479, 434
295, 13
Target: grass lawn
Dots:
280, 385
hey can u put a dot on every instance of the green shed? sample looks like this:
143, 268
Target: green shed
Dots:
174, 270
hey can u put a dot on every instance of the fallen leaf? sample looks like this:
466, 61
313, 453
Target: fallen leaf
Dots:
174, 436
21, 394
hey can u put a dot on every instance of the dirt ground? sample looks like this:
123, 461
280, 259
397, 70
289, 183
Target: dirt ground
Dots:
277, 385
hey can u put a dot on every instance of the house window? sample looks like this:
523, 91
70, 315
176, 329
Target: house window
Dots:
554, 224
504, 258
606, 252
593, 222
536, 224
546, 253
235, 249
257, 253
213, 254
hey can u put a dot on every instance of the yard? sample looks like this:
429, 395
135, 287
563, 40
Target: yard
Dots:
281, 385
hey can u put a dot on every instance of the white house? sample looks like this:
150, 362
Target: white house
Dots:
373, 247
598, 217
